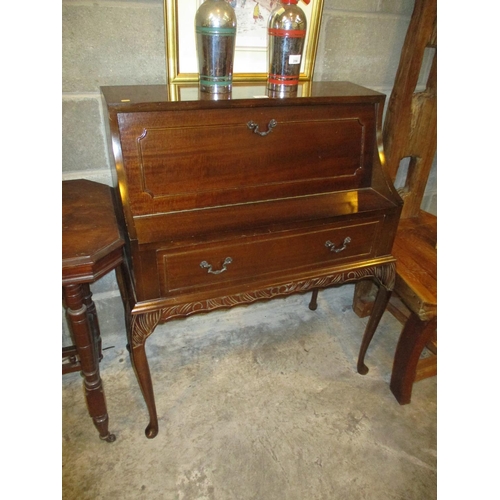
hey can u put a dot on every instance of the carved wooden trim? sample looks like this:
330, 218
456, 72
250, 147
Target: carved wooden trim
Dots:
386, 275
143, 324
142, 176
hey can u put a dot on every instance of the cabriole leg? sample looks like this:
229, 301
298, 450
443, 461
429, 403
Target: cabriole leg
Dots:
142, 325
381, 301
313, 305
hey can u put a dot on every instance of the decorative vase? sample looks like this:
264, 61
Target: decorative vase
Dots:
215, 24
287, 31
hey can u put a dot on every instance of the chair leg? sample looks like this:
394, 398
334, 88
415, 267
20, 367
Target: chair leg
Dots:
415, 335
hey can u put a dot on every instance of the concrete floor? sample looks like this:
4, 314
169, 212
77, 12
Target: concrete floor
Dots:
259, 402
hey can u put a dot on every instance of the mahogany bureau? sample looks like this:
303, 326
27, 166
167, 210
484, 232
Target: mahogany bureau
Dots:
233, 201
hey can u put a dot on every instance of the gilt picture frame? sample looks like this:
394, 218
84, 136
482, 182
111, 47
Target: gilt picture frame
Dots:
250, 61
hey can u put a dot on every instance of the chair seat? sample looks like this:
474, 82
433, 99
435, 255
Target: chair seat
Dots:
416, 264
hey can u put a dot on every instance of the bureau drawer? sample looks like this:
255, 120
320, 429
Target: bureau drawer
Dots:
250, 259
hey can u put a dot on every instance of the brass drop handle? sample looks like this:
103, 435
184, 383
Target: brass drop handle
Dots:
332, 248
206, 265
253, 126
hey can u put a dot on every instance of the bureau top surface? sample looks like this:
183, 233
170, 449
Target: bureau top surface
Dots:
157, 97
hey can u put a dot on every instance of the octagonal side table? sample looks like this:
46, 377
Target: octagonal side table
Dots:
92, 246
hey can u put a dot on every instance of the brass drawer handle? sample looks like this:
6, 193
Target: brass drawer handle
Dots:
253, 126
332, 248
206, 265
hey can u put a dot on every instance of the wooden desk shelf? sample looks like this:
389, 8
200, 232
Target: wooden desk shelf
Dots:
229, 202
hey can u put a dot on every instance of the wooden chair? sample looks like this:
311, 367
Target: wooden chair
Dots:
410, 132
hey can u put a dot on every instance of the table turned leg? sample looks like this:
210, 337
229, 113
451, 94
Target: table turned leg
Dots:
93, 320
87, 352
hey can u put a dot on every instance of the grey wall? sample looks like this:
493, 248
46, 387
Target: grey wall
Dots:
121, 42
